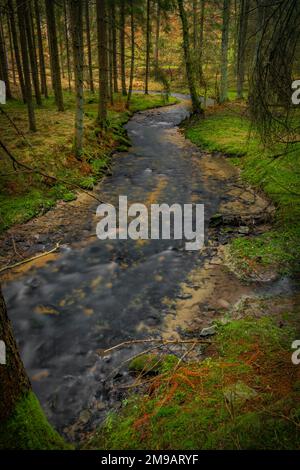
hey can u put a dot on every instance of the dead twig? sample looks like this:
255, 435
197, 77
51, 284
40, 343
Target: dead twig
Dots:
19, 263
155, 340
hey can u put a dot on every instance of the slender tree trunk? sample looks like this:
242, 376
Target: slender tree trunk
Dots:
32, 52
3, 63
157, 33
195, 24
41, 49
54, 58
122, 47
110, 64
242, 36
224, 51
201, 40
89, 49
102, 55
77, 43
67, 45
148, 44
188, 63
26, 70
114, 46
11, 50
16, 48
132, 53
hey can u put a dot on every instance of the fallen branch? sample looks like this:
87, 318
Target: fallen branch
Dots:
19, 263
155, 340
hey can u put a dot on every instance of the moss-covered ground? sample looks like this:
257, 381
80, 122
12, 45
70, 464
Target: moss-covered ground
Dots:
24, 194
227, 129
28, 428
245, 395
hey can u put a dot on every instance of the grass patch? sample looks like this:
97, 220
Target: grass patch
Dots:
25, 195
243, 397
227, 129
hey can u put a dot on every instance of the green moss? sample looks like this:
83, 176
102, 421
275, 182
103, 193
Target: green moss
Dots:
187, 409
152, 363
28, 428
228, 131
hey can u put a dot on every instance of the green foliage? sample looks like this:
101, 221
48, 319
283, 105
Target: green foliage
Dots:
28, 428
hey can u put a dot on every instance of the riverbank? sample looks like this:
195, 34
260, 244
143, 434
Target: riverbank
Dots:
240, 391
26, 196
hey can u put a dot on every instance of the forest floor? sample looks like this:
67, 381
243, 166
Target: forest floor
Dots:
236, 304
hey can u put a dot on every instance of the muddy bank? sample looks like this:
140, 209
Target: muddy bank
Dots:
93, 294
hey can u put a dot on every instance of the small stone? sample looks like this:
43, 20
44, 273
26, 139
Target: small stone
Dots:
239, 393
184, 296
209, 331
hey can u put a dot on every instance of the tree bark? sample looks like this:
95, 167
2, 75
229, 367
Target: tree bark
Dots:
14, 382
26, 69
201, 42
242, 35
67, 45
11, 50
188, 63
157, 33
122, 47
77, 43
32, 51
148, 44
89, 49
132, 53
16, 48
54, 57
44, 88
102, 56
114, 45
224, 51
3, 63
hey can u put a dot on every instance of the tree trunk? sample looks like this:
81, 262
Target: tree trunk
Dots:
67, 45
3, 63
102, 55
148, 43
77, 44
122, 47
188, 63
242, 34
26, 70
132, 54
110, 64
114, 46
14, 382
195, 24
157, 32
41, 50
89, 49
16, 48
11, 50
224, 51
201, 42
32, 52
54, 58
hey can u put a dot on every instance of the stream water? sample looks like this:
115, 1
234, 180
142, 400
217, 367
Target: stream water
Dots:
96, 294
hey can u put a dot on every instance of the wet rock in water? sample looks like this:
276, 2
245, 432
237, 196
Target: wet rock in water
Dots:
209, 331
239, 393
33, 282
184, 296
148, 171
